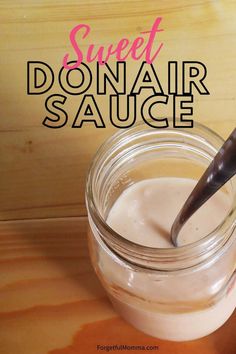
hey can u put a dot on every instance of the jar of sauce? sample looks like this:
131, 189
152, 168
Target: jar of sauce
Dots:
137, 183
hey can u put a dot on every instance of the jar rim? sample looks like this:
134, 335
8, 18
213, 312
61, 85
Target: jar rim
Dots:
209, 243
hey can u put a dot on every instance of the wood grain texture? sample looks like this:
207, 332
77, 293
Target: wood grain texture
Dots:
50, 299
52, 303
42, 171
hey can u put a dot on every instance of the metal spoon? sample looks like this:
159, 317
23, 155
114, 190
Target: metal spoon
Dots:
220, 170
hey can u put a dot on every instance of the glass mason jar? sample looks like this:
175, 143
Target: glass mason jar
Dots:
179, 293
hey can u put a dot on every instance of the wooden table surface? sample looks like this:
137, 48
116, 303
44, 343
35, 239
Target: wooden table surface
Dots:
50, 299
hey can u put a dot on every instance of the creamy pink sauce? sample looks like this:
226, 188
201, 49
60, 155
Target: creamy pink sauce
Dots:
144, 214
148, 209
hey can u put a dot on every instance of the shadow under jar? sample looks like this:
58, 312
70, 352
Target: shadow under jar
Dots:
179, 293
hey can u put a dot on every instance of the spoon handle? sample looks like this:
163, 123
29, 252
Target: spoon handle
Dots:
220, 170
